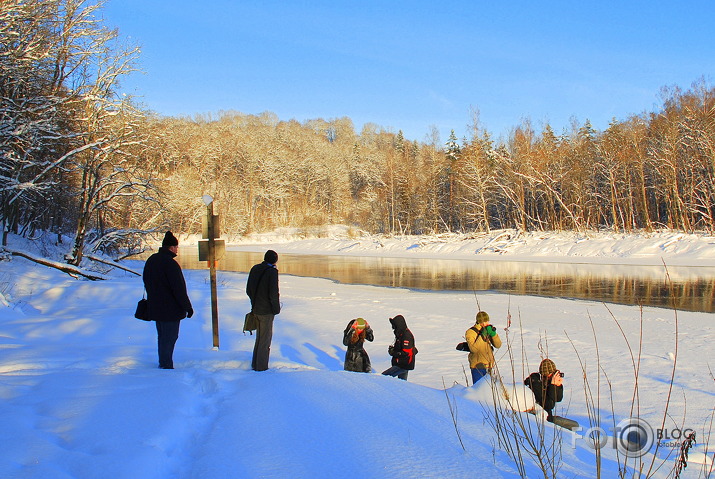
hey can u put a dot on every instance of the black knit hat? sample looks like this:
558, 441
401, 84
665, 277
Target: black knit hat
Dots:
169, 240
270, 257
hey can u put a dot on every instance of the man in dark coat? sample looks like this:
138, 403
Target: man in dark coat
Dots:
547, 386
403, 350
167, 300
262, 289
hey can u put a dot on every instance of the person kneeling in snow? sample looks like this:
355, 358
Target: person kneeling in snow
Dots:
482, 338
403, 350
547, 386
354, 336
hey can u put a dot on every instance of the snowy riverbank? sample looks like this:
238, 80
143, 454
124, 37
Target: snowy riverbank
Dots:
677, 249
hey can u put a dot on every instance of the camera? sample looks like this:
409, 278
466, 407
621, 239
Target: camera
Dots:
490, 330
560, 374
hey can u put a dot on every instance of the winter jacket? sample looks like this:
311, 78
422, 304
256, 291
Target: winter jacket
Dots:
481, 346
546, 395
262, 289
403, 350
356, 358
165, 286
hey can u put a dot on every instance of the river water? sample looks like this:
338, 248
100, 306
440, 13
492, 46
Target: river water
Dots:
686, 288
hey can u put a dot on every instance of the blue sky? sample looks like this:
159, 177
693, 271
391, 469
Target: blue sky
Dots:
409, 65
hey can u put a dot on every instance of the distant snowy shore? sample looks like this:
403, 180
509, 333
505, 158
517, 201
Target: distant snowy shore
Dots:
674, 248
593, 247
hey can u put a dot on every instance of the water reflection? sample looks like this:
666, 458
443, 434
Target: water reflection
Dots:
693, 288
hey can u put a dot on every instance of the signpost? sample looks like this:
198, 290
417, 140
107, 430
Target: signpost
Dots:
211, 250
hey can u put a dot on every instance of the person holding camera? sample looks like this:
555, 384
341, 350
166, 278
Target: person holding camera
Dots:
547, 386
482, 338
356, 333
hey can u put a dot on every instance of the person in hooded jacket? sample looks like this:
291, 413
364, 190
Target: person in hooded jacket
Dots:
262, 289
167, 300
482, 338
403, 350
354, 336
547, 386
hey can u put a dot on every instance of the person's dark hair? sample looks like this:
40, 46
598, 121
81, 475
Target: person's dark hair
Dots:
270, 257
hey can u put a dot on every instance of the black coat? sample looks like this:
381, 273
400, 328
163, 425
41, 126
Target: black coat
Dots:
356, 358
403, 350
262, 289
165, 286
546, 395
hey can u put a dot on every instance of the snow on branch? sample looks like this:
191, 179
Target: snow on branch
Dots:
110, 263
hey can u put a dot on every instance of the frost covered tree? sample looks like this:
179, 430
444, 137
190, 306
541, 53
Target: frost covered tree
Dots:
70, 147
36, 127
448, 182
109, 167
477, 181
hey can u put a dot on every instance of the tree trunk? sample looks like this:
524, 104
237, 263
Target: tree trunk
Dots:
64, 268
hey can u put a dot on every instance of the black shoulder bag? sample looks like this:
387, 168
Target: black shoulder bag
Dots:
463, 346
141, 312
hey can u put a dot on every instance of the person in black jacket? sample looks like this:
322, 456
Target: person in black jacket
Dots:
547, 386
354, 337
403, 350
167, 300
262, 289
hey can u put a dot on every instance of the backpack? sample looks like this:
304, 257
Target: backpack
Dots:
463, 346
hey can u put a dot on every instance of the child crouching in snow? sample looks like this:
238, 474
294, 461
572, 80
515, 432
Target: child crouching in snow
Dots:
354, 336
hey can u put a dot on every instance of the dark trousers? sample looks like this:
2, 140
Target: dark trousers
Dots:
396, 371
262, 348
477, 374
167, 334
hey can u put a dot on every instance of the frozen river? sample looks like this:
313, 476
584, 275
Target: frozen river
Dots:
687, 288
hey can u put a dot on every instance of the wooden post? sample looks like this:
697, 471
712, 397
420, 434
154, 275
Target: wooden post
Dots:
212, 272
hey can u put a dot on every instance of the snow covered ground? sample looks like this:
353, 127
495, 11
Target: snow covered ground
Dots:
81, 396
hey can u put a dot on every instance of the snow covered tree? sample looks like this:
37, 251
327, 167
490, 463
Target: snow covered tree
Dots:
448, 183
36, 125
477, 181
69, 145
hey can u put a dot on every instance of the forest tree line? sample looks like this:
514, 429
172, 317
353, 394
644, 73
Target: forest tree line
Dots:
79, 160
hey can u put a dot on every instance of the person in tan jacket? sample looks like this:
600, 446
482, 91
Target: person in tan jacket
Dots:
482, 338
